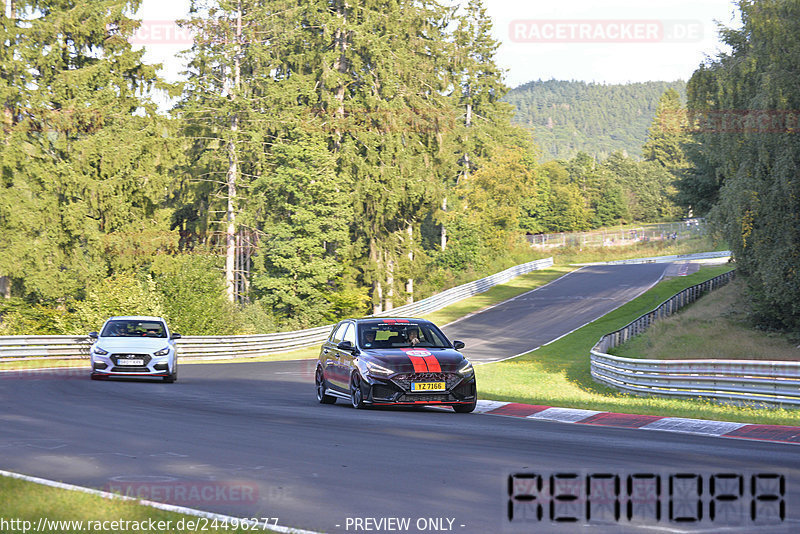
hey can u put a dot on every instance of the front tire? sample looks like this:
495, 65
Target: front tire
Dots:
356, 395
322, 397
172, 377
465, 408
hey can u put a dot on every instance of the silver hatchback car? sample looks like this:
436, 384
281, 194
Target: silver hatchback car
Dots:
134, 346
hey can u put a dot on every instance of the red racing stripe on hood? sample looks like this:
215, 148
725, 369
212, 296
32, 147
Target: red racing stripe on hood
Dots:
419, 364
433, 364
423, 361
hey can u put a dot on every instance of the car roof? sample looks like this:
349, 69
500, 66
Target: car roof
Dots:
381, 320
137, 318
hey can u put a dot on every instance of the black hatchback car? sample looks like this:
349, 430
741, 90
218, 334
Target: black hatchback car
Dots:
394, 361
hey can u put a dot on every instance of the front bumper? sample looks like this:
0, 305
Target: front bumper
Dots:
143, 365
396, 389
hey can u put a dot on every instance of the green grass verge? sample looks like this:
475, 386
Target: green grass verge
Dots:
27, 501
559, 374
714, 327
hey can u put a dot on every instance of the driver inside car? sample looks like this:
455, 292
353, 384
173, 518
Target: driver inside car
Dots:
369, 338
413, 337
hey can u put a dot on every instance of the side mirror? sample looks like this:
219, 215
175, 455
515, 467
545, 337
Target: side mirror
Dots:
458, 345
175, 335
346, 345
93, 335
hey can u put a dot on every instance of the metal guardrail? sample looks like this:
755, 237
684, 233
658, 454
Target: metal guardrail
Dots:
739, 381
621, 236
44, 347
666, 259
15, 348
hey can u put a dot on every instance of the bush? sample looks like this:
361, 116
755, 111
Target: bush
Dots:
192, 290
122, 294
18, 317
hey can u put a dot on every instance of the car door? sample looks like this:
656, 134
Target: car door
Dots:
346, 357
329, 355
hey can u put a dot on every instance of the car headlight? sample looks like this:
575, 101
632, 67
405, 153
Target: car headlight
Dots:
377, 370
99, 351
466, 369
162, 352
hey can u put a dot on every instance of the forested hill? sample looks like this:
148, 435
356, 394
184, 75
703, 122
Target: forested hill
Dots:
572, 116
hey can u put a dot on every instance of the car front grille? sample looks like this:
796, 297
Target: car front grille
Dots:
129, 369
416, 397
115, 358
405, 380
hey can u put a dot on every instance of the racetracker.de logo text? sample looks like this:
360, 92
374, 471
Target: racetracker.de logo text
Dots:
605, 31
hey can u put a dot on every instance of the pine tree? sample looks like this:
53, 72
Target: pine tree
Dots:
388, 124
85, 158
668, 133
255, 123
302, 215
484, 119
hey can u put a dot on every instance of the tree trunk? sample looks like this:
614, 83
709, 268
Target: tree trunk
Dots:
377, 288
230, 233
10, 11
444, 226
410, 281
340, 65
467, 123
389, 303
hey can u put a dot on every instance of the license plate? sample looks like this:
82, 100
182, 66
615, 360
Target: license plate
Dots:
138, 363
428, 386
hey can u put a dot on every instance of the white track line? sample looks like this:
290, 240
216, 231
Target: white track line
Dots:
160, 506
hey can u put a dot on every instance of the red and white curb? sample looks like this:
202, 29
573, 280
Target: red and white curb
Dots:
775, 433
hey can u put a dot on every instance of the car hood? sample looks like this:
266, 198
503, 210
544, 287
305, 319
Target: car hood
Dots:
400, 360
132, 344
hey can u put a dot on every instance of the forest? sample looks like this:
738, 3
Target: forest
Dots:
568, 117
322, 160
740, 139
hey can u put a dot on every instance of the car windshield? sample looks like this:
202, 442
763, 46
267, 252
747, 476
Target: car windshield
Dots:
134, 328
400, 334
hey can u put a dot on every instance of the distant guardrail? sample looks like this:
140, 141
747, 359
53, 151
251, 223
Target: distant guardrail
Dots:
44, 347
666, 259
621, 236
772, 382
15, 348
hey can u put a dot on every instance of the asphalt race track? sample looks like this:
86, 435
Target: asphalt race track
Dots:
530, 320
250, 440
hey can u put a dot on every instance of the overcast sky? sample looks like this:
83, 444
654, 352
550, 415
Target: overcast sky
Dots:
611, 41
